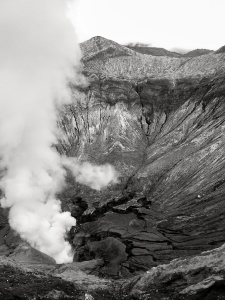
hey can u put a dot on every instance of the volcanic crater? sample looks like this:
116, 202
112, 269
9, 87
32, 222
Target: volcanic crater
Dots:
159, 233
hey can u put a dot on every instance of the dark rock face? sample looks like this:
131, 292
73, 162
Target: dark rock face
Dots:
8, 239
201, 277
110, 249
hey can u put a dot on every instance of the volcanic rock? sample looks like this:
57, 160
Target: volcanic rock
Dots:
192, 276
160, 122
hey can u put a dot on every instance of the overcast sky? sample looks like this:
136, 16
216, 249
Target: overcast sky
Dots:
170, 24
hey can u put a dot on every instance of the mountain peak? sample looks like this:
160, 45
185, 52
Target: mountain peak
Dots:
103, 48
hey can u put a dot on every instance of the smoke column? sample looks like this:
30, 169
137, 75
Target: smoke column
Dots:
39, 54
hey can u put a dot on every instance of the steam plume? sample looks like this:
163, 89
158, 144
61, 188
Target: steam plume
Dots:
94, 176
38, 56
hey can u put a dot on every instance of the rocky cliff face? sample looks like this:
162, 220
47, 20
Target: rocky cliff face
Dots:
160, 121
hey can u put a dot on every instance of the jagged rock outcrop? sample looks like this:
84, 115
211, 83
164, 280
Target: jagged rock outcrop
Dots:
201, 277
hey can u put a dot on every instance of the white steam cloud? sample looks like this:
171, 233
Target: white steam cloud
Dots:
94, 176
39, 54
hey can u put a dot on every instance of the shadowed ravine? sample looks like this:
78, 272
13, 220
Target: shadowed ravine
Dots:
161, 122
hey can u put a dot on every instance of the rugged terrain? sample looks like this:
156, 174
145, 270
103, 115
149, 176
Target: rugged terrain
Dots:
160, 120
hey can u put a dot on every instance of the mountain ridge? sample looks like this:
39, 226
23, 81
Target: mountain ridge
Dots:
102, 42
114, 60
